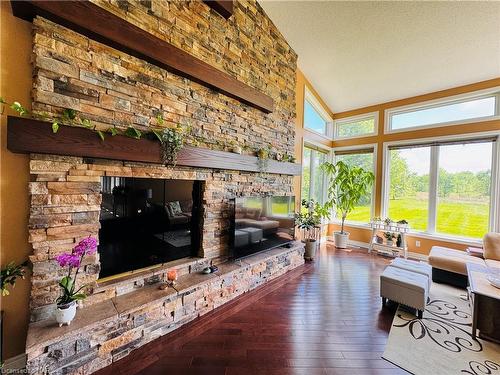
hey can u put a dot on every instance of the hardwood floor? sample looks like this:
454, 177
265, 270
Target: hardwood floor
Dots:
325, 318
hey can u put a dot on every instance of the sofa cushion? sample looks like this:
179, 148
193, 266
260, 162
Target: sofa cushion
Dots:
491, 244
451, 260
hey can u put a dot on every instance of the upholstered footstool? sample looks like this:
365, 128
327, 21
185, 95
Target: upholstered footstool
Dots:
255, 234
241, 238
414, 266
405, 287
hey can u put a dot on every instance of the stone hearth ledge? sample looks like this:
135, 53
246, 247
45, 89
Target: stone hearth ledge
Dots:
113, 324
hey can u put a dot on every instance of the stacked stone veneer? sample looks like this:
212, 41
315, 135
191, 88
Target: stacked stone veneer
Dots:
109, 330
65, 206
111, 88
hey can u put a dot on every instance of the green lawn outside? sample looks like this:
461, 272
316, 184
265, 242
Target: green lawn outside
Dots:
277, 208
461, 219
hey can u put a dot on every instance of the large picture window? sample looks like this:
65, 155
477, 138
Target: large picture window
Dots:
442, 187
363, 158
313, 177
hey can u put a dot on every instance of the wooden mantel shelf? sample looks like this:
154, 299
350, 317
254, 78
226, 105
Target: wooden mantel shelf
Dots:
98, 24
26, 135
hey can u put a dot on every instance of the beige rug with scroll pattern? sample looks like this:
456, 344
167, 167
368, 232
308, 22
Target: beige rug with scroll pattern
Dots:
441, 343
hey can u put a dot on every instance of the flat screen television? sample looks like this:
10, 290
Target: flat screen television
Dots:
262, 223
147, 221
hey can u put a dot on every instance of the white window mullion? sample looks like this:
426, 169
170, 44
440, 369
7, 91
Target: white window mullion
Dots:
312, 174
433, 189
494, 224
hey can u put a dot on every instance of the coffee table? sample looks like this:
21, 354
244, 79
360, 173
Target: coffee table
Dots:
485, 300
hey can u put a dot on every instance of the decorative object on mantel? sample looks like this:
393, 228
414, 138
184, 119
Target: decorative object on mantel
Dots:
66, 303
347, 186
263, 155
209, 270
99, 24
34, 136
394, 230
172, 277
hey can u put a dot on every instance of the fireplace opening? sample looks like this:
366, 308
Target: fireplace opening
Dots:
146, 222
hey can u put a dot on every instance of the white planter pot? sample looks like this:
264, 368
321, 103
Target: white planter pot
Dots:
310, 252
65, 313
341, 239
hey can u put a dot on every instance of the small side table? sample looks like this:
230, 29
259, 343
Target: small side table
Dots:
485, 300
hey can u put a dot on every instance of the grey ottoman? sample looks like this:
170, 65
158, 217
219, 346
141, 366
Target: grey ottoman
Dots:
404, 287
414, 266
256, 234
241, 238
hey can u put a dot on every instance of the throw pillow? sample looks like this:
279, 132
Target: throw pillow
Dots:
175, 208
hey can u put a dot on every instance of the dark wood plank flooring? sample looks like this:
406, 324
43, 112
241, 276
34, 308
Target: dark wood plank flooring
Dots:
324, 318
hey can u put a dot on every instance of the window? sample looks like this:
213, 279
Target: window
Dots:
444, 112
363, 158
442, 187
358, 126
464, 185
315, 117
282, 206
409, 186
313, 177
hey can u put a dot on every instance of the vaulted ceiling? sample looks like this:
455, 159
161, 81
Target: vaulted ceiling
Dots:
362, 53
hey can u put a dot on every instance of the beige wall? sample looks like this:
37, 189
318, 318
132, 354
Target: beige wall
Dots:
15, 73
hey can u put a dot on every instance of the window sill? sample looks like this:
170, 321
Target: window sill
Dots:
429, 236
444, 238
352, 224
326, 137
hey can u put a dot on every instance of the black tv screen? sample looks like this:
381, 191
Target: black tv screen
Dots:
146, 221
262, 223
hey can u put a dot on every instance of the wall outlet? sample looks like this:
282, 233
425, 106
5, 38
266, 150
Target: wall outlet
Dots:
417, 243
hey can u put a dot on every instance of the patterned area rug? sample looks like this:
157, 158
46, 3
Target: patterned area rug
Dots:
441, 342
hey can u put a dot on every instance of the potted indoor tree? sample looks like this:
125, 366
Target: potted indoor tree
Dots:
308, 220
346, 187
66, 302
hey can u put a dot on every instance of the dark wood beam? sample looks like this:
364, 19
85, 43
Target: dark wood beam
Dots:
26, 136
223, 7
98, 24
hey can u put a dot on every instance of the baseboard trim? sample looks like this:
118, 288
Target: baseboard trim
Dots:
14, 364
363, 245
366, 245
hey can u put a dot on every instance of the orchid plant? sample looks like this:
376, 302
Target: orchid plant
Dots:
73, 261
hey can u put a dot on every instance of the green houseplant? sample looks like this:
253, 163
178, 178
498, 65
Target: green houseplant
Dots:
9, 274
347, 186
308, 221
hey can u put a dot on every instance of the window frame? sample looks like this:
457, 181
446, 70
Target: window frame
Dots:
430, 233
322, 112
329, 155
361, 117
358, 224
442, 102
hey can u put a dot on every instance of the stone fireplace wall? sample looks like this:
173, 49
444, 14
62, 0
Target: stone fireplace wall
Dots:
112, 88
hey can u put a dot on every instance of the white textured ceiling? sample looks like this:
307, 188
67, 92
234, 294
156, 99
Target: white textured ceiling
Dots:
362, 53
